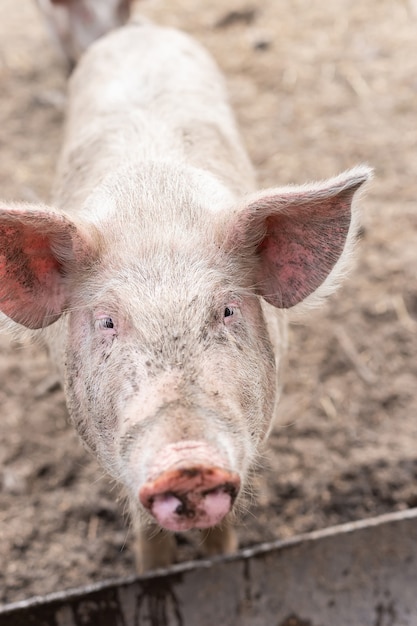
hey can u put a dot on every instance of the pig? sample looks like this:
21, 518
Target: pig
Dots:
160, 279
75, 24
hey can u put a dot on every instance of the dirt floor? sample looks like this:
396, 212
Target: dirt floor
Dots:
318, 87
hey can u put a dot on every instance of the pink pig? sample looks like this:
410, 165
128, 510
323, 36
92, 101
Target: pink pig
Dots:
161, 280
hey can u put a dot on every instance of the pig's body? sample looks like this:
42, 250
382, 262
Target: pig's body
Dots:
154, 281
149, 94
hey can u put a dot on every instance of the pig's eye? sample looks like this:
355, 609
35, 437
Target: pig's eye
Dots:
230, 313
106, 325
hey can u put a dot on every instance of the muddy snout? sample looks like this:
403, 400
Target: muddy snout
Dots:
193, 496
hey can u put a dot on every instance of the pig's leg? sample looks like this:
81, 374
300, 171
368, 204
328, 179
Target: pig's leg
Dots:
220, 540
153, 548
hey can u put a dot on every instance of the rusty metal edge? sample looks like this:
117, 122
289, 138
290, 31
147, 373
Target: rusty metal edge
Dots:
175, 572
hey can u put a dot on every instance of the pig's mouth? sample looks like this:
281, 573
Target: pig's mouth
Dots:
193, 497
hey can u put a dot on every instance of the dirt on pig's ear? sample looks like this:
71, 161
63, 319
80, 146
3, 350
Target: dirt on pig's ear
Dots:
298, 239
39, 247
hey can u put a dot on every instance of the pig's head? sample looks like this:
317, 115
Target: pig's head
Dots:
153, 307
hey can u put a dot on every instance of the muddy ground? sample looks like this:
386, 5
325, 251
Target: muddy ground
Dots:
318, 87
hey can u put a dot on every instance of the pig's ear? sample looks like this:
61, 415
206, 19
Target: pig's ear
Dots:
296, 236
38, 248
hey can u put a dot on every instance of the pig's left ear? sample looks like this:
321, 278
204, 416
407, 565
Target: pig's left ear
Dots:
39, 249
295, 237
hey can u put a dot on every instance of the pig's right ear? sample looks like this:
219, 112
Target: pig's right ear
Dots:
39, 247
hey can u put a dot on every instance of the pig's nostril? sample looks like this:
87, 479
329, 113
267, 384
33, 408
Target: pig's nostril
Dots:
229, 488
182, 510
165, 507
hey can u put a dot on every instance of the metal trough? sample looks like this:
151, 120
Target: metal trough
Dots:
358, 574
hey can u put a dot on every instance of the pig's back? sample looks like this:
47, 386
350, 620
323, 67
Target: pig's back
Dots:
148, 93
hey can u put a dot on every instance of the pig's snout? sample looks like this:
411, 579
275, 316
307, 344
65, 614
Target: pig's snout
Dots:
190, 497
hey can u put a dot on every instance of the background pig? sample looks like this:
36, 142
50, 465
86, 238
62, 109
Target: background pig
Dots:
161, 280
75, 24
